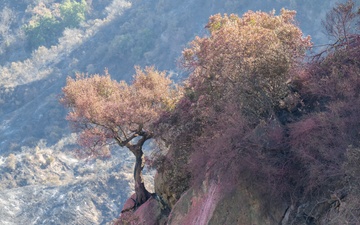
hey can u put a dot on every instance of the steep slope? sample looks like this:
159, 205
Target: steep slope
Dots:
287, 162
47, 185
151, 33
118, 35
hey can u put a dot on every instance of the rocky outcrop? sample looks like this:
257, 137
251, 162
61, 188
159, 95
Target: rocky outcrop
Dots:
212, 205
153, 212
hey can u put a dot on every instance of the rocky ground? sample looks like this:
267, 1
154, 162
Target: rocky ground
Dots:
47, 186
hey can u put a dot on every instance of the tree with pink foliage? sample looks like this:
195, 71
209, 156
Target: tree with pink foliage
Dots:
246, 59
107, 112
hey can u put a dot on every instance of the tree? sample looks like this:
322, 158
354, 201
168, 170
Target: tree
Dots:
43, 31
330, 90
73, 13
342, 22
238, 76
241, 71
107, 111
247, 59
47, 25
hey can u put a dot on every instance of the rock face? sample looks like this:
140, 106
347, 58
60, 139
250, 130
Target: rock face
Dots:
152, 212
212, 205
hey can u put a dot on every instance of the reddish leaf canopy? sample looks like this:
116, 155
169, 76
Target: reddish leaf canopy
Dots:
248, 58
106, 110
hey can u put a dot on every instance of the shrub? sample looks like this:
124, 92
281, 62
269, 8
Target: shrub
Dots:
43, 31
11, 162
7, 18
72, 13
46, 25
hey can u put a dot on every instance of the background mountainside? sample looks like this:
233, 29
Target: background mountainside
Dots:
35, 141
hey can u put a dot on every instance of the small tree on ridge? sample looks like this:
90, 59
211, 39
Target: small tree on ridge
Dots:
107, 111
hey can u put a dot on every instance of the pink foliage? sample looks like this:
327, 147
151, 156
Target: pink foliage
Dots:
108, 111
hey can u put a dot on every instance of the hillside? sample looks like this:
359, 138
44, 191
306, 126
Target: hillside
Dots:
31, 81
37, 147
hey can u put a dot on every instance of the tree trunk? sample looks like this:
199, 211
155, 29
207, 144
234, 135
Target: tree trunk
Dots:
142, 195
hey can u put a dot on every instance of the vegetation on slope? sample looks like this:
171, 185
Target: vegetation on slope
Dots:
285, 128
271, 126
47, 25
255, 113
117, 35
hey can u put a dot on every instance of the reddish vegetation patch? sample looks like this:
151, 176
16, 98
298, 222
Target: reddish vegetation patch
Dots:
281, 129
